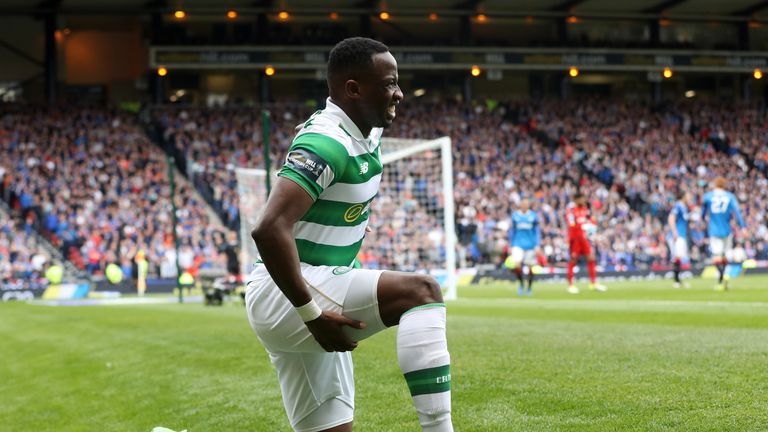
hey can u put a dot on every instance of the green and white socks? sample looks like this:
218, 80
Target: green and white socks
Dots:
422, 351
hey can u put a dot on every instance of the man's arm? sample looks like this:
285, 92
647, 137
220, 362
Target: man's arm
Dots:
570, 219
672, 223
739, 218
273, 235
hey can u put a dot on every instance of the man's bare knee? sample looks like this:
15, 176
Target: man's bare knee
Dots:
401, 292
426, 290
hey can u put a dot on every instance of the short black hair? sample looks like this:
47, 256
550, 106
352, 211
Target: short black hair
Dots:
352, 55
578, 195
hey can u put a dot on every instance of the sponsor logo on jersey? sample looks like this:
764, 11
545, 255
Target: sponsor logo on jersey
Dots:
307, 163
354, 212
363, 167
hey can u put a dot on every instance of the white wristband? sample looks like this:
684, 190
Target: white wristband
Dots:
309, 312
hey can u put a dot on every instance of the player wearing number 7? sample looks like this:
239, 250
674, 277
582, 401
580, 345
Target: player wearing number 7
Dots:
308, 306
719, 206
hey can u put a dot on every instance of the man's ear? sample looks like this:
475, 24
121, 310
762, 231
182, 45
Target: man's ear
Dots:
352, 89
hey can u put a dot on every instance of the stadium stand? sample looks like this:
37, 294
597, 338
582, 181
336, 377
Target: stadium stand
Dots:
520, 150
91, 182
23, 260
116, 199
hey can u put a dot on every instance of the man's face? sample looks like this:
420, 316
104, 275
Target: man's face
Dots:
380, 91
525, 205
687, 199
581, 201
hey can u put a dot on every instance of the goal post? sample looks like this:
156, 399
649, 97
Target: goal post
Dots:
252, 195
412, 217
429, 162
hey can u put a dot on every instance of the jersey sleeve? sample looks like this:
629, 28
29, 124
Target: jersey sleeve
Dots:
675, 214
570, 218
511, 232
705, 206
735, 208
314, 161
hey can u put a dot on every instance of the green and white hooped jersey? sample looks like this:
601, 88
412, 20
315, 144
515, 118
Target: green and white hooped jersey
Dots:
341, 170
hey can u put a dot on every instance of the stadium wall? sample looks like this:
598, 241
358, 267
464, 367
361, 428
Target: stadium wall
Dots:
26, 35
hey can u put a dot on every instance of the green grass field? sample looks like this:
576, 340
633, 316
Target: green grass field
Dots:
641, 357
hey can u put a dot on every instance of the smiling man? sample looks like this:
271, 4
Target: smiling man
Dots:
307, 305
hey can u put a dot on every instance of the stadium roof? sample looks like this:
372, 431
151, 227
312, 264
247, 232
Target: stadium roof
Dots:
691, 9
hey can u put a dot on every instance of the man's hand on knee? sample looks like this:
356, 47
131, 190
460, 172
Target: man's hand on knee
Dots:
328, 331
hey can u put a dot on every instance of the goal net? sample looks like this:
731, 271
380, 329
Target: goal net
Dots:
412, 217
252, 194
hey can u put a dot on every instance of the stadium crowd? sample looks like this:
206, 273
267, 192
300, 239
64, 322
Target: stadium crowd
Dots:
651, 155
630, 159
22, 261
93, 184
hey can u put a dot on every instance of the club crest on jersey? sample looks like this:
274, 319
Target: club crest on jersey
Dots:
363, 167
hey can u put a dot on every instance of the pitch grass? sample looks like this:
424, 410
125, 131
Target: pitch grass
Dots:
641, 357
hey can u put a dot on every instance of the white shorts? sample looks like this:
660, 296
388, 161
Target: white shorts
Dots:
678, 248
720, 246
317, 386
519, 255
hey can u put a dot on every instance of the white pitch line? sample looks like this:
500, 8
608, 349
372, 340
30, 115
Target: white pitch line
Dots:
618, 303
121, 301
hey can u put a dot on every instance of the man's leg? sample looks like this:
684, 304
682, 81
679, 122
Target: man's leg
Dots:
530, 259
317, 387
415, 302
530, 278
517, 258
571, 265
721, 264
575, 249
591, 267
343, 428
718, 248
519, 272
324, 414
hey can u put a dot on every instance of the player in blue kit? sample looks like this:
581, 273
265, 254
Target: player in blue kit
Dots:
524, 236
719, 206
677, 236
